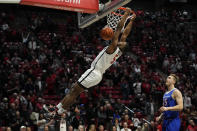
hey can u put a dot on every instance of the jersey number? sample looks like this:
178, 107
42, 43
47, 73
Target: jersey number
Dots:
165, 103
114, 59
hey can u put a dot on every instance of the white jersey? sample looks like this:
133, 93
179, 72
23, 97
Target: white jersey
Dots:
98, 67
103, 61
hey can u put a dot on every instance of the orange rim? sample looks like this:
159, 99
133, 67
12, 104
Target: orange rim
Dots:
121, 8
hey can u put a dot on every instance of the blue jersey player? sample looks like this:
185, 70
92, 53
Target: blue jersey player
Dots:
172, 104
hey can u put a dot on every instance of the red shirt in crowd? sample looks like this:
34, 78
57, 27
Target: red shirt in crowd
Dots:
146, 87
192, 128
51, 81
159, 127
39, 106
84, 98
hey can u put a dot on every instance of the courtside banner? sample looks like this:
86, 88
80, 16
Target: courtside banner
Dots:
86, 6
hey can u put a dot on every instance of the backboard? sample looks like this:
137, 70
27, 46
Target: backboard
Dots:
85, 19
85, 6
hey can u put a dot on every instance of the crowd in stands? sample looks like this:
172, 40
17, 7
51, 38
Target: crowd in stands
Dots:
42, 55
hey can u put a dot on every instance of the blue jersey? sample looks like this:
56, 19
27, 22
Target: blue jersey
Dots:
171, 120
168, 101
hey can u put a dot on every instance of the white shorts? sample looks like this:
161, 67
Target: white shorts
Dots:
100, 64
90, 78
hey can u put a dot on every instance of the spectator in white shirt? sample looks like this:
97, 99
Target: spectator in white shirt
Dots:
187, 101
136, 121
25, 37
165, 63
32, 44
125, 127
137, 69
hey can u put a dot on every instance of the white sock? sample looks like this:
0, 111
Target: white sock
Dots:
60, 111
59, 106
45, 107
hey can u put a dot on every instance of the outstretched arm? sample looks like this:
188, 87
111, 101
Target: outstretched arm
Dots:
128, 28
112, 47
126, 32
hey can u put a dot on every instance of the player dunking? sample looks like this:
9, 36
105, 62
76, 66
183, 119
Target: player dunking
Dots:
172, 104
100, 64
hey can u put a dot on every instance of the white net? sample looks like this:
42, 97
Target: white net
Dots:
115, 17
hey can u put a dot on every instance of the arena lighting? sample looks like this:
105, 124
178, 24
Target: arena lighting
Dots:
83, 6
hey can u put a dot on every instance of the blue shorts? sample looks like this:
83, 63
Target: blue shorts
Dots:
171, 124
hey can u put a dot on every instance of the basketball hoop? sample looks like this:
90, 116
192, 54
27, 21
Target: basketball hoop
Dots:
114, 17
105, 7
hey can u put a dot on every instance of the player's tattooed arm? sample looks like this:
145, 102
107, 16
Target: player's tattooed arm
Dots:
179, 100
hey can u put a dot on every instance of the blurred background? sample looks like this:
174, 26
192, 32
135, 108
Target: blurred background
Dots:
43, 52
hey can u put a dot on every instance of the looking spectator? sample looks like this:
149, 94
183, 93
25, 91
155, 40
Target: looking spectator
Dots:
125, 127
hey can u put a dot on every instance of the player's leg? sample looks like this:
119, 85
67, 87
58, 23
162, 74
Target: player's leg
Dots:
112, 47
70, 98
164, 125
89, 79
173, 125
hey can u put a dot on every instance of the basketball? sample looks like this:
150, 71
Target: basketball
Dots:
107, 33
